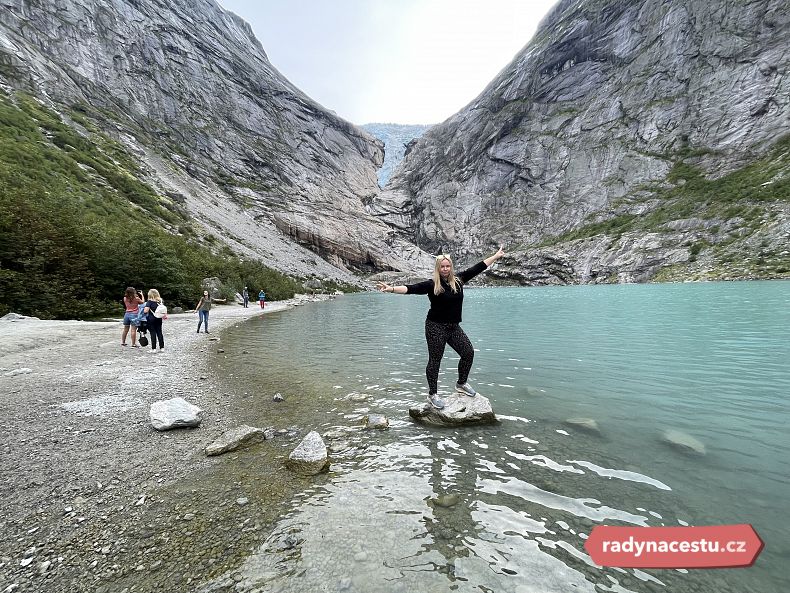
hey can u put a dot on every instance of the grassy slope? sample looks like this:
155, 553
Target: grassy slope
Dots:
744, 197
77, 225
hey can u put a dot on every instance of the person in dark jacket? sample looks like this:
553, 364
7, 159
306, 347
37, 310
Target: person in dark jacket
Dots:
442, 325
154, 323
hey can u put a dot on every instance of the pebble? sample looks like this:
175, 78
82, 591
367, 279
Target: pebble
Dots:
189, 516
242, 501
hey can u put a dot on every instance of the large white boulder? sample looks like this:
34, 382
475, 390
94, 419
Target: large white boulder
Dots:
175, 413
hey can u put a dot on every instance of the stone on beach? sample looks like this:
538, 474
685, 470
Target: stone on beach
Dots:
310, 457
175, 413
17, 317
459, 410
683, 442
235, 438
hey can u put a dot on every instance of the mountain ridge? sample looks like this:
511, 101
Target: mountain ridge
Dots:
606, 115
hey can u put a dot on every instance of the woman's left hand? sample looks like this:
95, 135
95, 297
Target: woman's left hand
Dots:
383, 287
499, 253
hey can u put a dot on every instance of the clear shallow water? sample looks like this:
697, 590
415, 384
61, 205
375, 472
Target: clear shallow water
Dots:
709, 360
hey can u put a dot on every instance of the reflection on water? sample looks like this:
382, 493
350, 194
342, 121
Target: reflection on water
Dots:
507, 508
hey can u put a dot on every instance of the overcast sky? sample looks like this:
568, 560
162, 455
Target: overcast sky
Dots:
391, 61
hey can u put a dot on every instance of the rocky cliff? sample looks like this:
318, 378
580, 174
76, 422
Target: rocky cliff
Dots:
628, 141
186, 88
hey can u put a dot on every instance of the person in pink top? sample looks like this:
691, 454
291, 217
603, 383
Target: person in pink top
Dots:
131, 298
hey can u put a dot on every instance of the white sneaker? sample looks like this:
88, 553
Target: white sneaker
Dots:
465, 389
436, 401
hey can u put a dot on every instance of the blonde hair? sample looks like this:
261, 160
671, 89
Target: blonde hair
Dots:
451, 279
153, 295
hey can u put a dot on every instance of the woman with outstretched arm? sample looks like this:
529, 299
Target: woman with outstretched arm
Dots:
442, 325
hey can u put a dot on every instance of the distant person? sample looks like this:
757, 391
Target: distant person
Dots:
202, 309
131, 299
262, 298
246, 296
446, 293
154, 323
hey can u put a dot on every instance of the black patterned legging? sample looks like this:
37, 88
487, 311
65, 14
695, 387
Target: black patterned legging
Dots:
439, 334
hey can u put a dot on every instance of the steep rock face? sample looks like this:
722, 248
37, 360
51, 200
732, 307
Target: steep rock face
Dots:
604, 116
187, 88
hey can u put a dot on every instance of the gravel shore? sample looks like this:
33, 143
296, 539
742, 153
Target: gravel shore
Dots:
92, 498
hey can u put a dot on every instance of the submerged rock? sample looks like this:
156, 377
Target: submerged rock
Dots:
235, 438
459, 410
175, 413
376, 421
446, 500
310, 457
683, 442
587, 424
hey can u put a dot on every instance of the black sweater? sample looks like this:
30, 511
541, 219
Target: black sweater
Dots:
446, 307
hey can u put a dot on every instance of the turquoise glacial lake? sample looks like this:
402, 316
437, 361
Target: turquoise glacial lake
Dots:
507, 508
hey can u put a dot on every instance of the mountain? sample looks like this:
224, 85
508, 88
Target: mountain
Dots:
628, 141
213, 129
395, 138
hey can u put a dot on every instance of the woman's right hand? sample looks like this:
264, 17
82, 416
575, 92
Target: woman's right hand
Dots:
384, 287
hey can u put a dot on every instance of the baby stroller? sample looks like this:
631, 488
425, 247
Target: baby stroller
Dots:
141, 323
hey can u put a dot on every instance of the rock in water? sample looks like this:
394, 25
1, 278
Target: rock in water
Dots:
233, 439
683, 442
310, 457
376, 421
446, 500
459, 410
175, 413
587, 424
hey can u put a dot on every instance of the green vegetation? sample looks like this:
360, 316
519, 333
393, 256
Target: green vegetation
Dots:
743, 194
77, 225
